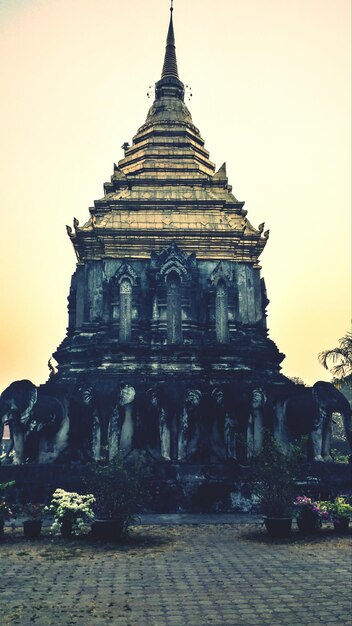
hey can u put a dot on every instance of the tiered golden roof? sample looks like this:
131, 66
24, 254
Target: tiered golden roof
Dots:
166, 190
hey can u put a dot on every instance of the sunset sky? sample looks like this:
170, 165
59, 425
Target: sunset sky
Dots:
271, 96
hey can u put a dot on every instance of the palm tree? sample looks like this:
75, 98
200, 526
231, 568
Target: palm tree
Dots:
339, 360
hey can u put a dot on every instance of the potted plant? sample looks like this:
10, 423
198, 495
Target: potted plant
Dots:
119, 496
340, 511
6, 512
72, 511
273, 473
32, 525
309, 515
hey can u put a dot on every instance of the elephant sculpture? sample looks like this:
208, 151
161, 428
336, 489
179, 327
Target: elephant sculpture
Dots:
162, 418
122, 423
222, 435
102, 420
104, 404
189, 429
47, 429
151, 431
84, 433
38, 422
171, 421
256, 421
232, 406
310, 412
172, 429
16, 403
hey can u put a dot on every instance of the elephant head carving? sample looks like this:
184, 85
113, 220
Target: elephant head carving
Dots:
16, 404
38, 422
328, 400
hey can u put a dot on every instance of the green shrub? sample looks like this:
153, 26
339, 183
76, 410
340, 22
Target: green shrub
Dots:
274, 472
117, 488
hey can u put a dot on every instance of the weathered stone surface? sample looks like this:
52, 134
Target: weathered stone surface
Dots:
167, 286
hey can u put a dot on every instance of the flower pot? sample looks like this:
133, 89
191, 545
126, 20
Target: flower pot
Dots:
32, 528
341, 523
278, 526
107, 529
308, 525
66, 528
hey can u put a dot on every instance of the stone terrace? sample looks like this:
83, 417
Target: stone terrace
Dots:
178, 575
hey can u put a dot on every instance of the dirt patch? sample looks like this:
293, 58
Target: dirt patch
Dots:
155, 540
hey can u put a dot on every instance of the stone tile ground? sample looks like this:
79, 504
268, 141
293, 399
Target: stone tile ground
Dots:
219, 575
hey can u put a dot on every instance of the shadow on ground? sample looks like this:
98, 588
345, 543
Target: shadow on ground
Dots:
327, 537
143, 540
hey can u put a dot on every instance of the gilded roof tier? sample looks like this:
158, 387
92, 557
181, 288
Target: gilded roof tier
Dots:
166, 190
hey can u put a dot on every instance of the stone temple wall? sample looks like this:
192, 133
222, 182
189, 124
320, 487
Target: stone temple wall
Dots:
96, 294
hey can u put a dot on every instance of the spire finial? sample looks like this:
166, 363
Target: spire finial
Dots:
170, 63
170, 85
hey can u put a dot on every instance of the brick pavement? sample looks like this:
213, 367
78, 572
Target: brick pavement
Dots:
219, 575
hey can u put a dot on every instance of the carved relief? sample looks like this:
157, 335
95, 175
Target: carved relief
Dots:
174, 424
221, 312
156, 433
125, 271
255, 429
125, 310
173, 308
127, 396
122, 428
224, 430
122, 285
222, 272
173, 278
189, 426
216, 435
173, 259
222, 296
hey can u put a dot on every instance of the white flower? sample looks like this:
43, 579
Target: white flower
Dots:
72, 506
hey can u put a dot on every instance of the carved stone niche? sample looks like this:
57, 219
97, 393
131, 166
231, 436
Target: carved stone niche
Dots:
222, 301
123, 292
174, 280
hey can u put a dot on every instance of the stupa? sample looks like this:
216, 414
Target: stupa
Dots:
167, 307
167, 356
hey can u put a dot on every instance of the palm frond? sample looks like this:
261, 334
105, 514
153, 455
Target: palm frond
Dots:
339, 360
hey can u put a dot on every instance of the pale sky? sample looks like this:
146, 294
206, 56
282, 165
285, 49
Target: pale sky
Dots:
271, 97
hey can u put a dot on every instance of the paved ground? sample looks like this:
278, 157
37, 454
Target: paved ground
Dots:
178, 575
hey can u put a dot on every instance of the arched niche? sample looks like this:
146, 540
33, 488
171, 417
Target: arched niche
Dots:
221, 312
173, 308
125, 293
122, 300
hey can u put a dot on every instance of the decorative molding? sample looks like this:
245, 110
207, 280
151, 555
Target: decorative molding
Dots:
125, 271
173, 259
221, 272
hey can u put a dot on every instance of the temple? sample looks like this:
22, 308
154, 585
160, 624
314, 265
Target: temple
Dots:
167, 358
167, 258
167, 301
